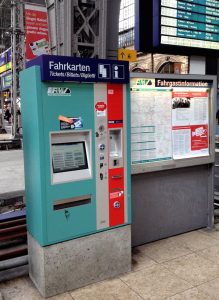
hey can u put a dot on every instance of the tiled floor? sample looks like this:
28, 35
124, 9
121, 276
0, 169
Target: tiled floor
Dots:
185, 267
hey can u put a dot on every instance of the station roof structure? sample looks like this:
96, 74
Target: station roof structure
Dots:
5, 24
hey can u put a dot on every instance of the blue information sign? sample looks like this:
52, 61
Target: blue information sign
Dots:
2, 59
6, 81
190, 23
66, 68
9, 55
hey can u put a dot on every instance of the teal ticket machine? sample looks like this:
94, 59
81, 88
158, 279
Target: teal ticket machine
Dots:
76, 129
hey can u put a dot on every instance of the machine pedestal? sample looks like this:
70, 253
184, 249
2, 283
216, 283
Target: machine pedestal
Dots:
76, 263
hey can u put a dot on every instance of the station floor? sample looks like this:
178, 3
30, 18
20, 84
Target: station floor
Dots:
184, 267
11, 172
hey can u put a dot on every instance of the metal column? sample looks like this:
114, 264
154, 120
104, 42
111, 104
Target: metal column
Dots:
77, 27
84, 28
17, 42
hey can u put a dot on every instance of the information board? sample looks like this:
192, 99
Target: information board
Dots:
169, 119
190, 23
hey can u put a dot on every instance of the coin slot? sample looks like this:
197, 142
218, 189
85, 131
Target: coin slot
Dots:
115, 162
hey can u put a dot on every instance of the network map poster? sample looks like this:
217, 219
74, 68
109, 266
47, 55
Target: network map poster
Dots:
151, 130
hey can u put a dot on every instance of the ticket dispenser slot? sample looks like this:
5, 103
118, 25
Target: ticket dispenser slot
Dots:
115, 145
72, 202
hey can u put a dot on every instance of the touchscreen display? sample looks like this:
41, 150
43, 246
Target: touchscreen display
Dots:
69, 157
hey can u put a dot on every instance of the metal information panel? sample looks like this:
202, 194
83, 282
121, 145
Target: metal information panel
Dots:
171, 121
190, 23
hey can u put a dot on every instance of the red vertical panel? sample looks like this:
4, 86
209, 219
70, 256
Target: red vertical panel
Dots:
116, 175
116, 197
115, 105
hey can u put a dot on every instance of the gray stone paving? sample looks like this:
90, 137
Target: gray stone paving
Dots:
177, 268
11, 172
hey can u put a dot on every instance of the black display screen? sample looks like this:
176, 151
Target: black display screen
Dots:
186, 27
69, 157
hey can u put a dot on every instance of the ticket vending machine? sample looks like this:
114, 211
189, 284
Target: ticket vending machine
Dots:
77, 168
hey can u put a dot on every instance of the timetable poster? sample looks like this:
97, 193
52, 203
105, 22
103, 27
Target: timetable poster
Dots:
190, 124
151, 130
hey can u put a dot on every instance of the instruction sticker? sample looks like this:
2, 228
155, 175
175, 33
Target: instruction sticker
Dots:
77, 123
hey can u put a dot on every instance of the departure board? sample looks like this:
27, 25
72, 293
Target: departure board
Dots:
190, 23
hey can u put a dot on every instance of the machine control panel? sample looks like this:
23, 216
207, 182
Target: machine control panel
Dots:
101, 150
109, 156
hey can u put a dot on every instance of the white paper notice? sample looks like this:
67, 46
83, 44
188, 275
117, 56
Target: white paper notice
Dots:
199, 108
181, 142
189, 108
190, 123
151, 125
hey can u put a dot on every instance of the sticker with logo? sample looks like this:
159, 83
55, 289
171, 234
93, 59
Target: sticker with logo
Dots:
76, 123
101, 109
116, 194
199, 137
59, 91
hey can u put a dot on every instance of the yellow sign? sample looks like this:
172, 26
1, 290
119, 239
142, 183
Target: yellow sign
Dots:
6, 67
127, 54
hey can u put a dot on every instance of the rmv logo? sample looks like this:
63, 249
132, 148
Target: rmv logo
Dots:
59, 91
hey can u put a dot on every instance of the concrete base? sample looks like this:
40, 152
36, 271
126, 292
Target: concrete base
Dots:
69, 265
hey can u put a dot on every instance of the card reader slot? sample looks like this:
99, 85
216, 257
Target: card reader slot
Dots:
117, 176
72, 202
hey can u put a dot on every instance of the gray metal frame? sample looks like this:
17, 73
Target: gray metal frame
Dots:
63, 37
59, 20
194, 161
171, 202
176, 196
